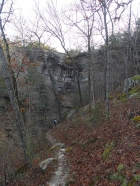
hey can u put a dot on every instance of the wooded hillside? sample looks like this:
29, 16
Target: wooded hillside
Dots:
91, 89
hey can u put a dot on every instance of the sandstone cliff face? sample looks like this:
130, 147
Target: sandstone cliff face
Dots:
65, 73
67, 69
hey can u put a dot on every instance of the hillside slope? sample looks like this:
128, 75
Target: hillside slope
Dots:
98, 152
107, 152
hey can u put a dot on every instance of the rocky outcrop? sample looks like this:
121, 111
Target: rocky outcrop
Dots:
130, 83
43, 165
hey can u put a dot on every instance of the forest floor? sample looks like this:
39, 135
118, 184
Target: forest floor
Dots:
98, 152
101, 152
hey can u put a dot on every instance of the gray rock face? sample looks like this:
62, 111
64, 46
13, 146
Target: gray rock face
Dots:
61, 155
133, 95
131, 83
71, 113
43, 165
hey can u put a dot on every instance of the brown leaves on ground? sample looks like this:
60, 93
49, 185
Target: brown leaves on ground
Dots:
95, 153
86, 145
34, 176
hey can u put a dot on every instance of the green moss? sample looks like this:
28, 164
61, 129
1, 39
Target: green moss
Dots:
106, 153
111, 97
54, 147
119, 177
111, 144
120, 167
124, 100
74, 142
136, 78
134, 90
97, 113
70, 181
133, 181
108, 149
136, 119
137, 165
137, 177
124, 183
95, 180
68, 149
122, 97
122, 178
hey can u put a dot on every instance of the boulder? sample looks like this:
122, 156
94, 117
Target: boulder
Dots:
128, 82
131, 83
43, 165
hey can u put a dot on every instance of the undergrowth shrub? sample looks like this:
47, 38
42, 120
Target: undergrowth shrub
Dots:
122, 97
74, 142
111, 97
36, 144
134, 90
88, 142
136, 119
68, 149
97, 114
70, 181
122, 177
108, 148
138, 125
136, 78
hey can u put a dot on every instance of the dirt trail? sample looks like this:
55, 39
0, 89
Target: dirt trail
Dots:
60, 176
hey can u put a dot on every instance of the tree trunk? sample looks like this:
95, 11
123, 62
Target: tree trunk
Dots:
107, 63
14, 102
128, 55
89, 66
79, 90
55, 93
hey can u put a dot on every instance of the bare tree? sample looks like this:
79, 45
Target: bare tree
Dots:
107, 63
53, 25
107, 17
12, 90
83, 21
128, 58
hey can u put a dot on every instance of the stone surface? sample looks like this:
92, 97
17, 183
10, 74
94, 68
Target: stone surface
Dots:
43, 165
63, 150
60, 155
71, 113
133, 95
131, 83
61, 174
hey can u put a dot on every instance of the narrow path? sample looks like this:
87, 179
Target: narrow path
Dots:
60, 176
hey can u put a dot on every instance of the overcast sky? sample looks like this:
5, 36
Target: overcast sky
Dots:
27, 6
26, 9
